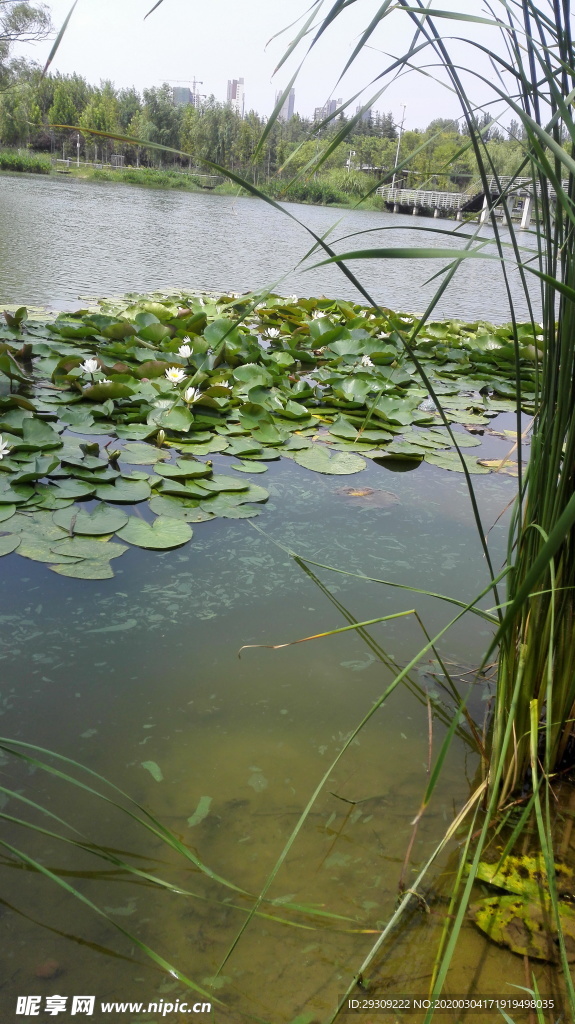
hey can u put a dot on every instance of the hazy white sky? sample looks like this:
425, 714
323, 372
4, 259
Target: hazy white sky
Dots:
214, 40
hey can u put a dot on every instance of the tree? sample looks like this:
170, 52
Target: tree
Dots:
20, 22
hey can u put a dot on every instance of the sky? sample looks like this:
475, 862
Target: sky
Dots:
216, 40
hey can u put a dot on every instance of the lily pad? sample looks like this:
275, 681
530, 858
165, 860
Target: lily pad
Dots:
124, 492
85, 569
451, 461
526, 927
101, 520
83, 547
250, 467
9, 543
218, 482
176, 508
319, 459
165, 532
143, 454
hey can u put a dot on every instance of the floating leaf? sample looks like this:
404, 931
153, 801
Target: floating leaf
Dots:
201, 811
101, 520
247, 467
6, 512
165, 532
83, 547
218, 482
125, 492
9, 543
85, 570
452, 461
318, 459
154, 770
142, 454
177, 508
184, 469
526, 927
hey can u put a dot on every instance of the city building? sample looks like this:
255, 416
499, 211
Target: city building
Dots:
329, 108
286, 112
182, 97
366, 116
236, 97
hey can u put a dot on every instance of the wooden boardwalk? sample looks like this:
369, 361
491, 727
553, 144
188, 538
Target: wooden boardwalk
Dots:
518, 196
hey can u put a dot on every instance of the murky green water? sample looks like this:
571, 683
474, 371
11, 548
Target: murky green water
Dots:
139, 679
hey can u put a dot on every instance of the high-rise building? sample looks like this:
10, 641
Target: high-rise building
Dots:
186, 97
236, 97
286, 112
366, 116
182, 97
329, 108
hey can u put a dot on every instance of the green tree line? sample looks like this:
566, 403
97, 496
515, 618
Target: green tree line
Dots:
30, 105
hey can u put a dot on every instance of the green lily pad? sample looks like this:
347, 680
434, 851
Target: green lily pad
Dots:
73, 489
185, 469
124, 492
83, 547
176, 508
36, 434
451, 461
101, 520
6, 512
9, 543
165, 532
85, 570
143, 454
319, 459
218, 482
188, 489
249, 467
39, 549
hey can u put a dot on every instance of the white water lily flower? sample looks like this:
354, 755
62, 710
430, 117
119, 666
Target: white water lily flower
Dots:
317, 314
105, 380
185, 349
273, 332
4, 447
90, 366
366, 361
292, 298
192, 395
175, 374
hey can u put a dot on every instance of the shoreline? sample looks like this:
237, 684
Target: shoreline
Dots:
181, 181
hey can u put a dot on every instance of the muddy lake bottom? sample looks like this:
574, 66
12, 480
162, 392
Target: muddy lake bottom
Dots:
138, 678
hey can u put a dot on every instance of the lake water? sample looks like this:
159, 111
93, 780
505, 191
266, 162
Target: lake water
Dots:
138, 678
62, 239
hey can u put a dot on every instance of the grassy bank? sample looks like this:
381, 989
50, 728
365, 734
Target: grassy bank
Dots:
12, 160
326, 191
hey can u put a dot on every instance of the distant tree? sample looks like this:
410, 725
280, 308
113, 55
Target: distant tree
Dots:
20, 22
129, 104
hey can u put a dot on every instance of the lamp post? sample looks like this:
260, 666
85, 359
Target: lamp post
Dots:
78, 149
398, 145
351, 153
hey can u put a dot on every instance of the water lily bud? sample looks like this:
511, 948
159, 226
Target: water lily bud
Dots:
160, 438
114, 455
